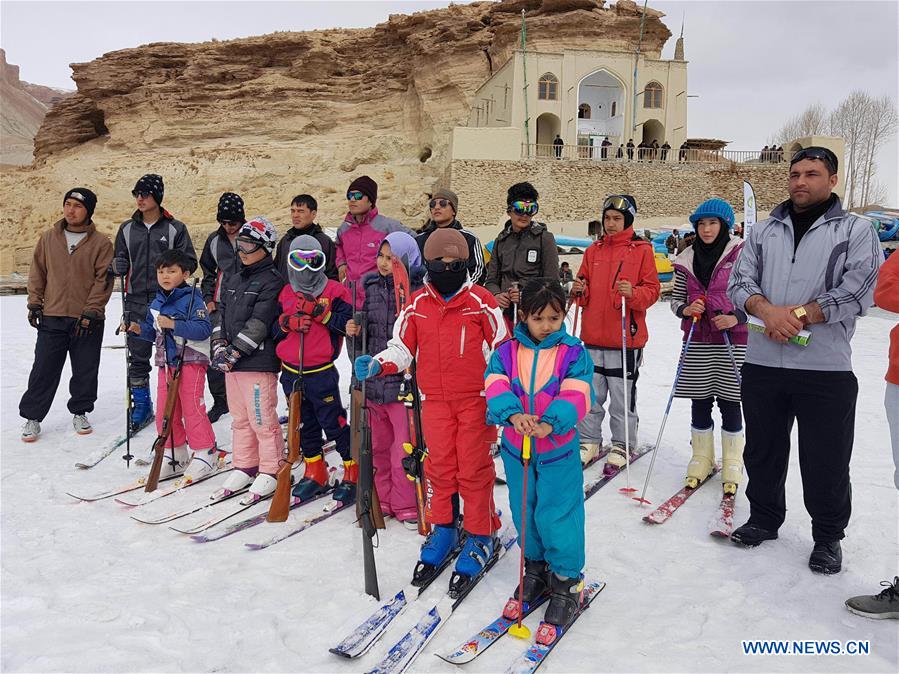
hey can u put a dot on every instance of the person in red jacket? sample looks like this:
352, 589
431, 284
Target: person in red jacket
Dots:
619, 268
445, 327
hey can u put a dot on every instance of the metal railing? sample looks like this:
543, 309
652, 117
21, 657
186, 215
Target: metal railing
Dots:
613, 153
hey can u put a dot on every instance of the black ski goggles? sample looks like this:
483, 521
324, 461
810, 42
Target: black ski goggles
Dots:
439, 266
248, 246
820, 153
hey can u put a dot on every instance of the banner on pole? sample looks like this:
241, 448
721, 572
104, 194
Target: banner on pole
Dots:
749, 211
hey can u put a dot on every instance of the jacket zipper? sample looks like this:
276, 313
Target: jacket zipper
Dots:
462, 342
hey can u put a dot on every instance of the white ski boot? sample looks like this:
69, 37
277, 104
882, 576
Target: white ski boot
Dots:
237, 480
264, 485
703, 461
589, 451
202, 464
732, 460
182, 458
617, 456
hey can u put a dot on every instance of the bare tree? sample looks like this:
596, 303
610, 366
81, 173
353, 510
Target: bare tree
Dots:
882, 122
850, 120
810, 122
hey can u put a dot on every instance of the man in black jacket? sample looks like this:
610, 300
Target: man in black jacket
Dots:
303, 210
140, 240
444, 204
218, 259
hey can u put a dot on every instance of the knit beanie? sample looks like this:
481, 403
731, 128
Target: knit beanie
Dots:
259, 230
230, 208
367, 186
449, 195
151, 183
87, 198
714, 208
446, 242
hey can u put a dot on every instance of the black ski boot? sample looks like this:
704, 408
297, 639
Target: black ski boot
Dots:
218, 409
565, 600
536, 581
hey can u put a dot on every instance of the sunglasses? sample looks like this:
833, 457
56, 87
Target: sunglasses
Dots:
619, 203
443, 203
820, 153
525, 207
438, 266
248, 246
301, 260
355, 195
142, 194
230, 223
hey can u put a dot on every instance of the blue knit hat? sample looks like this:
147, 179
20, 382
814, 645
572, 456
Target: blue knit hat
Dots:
714, 208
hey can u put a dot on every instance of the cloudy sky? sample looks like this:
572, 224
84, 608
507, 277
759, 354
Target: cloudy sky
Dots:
753, 64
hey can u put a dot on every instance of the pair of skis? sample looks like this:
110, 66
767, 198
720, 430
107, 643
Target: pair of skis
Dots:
722, 525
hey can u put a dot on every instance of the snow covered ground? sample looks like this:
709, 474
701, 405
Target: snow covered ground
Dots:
87, 589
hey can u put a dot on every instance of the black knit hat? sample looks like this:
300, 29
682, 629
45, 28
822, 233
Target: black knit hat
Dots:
367, 186
151, 183
628, 213
230, 208
87, 198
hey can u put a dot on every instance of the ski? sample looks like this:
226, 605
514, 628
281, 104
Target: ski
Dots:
404, 652
361, 639
137, 484
548, 636
140, 499
332, 508
595, 485
723, 525
477, 643
218, 496
664, 512
93, 459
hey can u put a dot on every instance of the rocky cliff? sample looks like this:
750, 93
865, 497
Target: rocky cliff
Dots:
21, 115
285, 113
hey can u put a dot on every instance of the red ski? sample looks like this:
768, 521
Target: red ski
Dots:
723, 525
664, 512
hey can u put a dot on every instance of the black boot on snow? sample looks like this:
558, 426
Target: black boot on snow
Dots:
752, 535
826, 558
536, 581
564, 601
218, 409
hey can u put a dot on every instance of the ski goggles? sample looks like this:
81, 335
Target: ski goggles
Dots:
248, 246
821, 153
355, 195
443, 203
301, 260
439, 266
619, 203
524, 207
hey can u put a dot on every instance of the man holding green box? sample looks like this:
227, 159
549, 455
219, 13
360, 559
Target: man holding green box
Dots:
805, 276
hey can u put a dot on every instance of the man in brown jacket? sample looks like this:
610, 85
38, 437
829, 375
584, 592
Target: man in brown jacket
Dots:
68, 288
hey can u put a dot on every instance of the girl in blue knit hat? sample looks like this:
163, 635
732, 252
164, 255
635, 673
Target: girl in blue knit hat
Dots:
718, 345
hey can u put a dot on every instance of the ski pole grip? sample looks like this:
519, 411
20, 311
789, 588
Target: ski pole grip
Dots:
526, 448
359, 317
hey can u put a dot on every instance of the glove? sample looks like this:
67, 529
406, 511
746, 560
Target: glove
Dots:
119, 266
306, 304
85, 325
225, 359
366, 367
217, 346
322, 311
295, 322
35, 315
413, 461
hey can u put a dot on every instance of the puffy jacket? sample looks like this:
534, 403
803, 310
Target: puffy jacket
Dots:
141, 245
327, 244
552, 379
324, 340
518, 256
380, 316
192, 328
886, 295
715, 297
218, 259
615, 257
247, 315
358, 243
477, 271
447, 339
835, 265
68, 284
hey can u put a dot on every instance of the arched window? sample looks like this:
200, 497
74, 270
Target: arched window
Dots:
652, 95
548, 87
583, 111
614, 108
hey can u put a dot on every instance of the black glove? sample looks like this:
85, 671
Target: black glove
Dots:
85, 325
119, 266
35, 315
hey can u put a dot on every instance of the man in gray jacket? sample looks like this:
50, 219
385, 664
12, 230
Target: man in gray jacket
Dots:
810, 265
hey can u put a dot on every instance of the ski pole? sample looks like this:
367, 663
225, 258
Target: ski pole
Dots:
627, 440
680, 365
129, 405
520, 630
730, 352
514, 306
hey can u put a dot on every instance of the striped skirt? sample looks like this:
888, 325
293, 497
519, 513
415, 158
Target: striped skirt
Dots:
708, 371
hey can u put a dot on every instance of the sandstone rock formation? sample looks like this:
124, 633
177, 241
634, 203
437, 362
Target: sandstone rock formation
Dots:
273, 116
21, 115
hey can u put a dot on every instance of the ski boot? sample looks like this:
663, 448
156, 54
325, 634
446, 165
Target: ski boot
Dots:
616, 459
435, 553
81, 425
182, 458
535, 584
315, 479
564, 600
703, 462
589, 451
237, 480
142, 405
218, 409
732, 460
262, 487
345, 492
31, 431
202, 464
474, 557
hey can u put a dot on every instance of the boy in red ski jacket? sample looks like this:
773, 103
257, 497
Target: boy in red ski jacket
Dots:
445, 327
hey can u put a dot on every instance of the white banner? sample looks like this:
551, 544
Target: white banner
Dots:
749, 213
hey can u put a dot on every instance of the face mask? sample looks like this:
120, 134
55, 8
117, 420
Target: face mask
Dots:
448, 281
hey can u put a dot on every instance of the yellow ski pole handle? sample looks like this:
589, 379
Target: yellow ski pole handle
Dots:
526, 448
